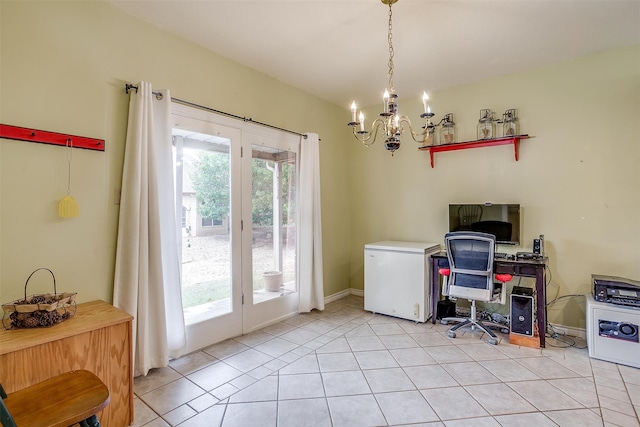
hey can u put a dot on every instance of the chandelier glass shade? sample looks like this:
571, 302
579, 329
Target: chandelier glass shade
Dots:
391, 124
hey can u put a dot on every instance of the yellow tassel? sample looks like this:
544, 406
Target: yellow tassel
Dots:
67, 207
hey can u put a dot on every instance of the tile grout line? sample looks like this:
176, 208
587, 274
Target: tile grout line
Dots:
327, 337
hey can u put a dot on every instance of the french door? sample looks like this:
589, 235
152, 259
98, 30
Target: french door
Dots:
270, 183
236, 209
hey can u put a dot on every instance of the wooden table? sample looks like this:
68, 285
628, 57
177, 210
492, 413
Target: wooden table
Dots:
97, 338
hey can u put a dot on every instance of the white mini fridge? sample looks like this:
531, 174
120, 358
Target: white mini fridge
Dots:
397, 279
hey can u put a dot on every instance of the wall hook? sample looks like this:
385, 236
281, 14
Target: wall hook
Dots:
45, 137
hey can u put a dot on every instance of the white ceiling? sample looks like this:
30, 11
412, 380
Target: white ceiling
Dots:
337, 49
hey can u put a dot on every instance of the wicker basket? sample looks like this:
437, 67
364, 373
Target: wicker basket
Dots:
39, 310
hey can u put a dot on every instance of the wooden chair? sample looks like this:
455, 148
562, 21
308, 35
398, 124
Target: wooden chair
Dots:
62, 401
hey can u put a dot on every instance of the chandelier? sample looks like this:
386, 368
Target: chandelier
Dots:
390, 123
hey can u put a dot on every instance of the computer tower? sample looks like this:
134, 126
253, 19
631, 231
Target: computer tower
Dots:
446, 308
522, 315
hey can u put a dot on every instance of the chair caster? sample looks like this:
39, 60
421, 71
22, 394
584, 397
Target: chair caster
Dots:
504, 330
493, 341
444, 322
451, 334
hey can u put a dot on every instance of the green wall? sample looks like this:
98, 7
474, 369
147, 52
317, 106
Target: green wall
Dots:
577, 180
64, 67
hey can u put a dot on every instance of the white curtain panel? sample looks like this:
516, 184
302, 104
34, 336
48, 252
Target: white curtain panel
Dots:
311, 287
147, 275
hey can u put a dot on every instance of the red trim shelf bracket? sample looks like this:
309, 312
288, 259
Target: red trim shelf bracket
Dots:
45, 137
515, 140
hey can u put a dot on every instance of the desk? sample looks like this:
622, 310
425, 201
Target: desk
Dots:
521, 267
97, 338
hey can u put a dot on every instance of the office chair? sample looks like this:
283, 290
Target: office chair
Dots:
470, 275
64, 400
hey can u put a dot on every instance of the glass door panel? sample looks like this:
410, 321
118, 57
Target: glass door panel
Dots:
211, 281
236, 209
270, 190
206, 237
274, 228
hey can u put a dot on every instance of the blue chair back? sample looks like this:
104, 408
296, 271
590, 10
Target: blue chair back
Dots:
471, 256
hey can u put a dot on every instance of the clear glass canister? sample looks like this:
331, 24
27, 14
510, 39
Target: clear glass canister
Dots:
430, 137
448, 130
510, 123
486, 125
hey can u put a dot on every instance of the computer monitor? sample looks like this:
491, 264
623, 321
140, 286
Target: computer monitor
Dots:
500, 219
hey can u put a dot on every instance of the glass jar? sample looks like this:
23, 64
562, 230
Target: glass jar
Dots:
486, 125
448, 130
430, 130
510, 123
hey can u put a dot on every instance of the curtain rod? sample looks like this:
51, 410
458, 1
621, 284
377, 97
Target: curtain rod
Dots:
128, 87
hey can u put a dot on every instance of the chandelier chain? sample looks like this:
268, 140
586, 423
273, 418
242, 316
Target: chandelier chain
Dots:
390, 123
389, 37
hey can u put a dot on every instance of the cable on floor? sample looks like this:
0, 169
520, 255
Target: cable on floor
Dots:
561, 338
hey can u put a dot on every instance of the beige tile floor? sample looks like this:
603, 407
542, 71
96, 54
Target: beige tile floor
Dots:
347, 367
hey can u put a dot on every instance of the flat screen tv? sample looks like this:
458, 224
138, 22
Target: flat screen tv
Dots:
501, 220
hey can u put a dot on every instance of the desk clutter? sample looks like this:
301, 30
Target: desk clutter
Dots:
39, 310
526, 305
519, 324
529, 255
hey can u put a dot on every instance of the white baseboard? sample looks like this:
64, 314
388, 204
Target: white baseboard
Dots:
569, 330
357, 292
561, 329
337, 296
270, 322
328, 299
342, 294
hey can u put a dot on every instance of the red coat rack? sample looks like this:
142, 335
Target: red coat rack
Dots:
45, 137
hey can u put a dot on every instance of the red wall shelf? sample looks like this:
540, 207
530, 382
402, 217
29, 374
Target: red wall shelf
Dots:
45, 137
515, 140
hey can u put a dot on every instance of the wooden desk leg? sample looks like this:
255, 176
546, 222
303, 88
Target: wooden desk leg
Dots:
541, 304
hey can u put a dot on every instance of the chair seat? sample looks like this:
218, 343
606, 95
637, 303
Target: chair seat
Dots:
61, 401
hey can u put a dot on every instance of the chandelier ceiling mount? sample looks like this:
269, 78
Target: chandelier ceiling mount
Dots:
391, 123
